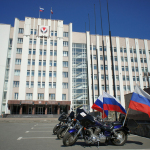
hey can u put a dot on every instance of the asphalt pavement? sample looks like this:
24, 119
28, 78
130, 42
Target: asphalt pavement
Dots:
37, 134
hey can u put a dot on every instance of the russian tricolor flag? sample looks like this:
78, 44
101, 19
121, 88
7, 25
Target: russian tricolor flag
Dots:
140, 101
98, 105
41, 9
112, 104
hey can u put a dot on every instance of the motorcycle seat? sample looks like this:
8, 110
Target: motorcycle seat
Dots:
116, 123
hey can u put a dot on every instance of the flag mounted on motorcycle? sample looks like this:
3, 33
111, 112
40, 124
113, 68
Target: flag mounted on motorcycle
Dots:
112, 104
98, 105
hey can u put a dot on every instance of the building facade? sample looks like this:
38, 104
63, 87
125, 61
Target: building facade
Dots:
46, 67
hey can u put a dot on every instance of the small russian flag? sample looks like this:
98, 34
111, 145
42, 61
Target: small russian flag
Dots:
41, 9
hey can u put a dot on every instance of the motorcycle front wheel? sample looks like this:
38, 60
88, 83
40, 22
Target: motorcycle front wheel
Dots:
56, 128
61, 133
69, 139
121, 138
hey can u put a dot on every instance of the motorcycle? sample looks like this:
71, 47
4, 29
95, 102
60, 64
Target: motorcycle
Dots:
94, 132
62, 121
64, 128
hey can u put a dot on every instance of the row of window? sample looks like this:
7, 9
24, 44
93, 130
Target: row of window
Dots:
34, 31
52, 43
29, 96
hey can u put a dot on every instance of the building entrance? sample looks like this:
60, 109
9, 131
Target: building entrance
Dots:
30, 110
40, 110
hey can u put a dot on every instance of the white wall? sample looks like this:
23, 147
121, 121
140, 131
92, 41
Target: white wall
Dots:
4, 40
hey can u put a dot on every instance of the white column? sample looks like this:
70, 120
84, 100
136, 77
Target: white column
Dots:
4, 40
59, 61
89, 68
70, 64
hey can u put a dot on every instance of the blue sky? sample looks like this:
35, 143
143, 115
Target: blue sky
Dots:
128, 18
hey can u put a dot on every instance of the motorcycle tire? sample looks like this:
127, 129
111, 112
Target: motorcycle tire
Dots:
56, 128
121, 139
60, 133
68, 139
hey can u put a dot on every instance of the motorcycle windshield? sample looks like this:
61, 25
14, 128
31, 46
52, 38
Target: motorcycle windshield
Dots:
71, 115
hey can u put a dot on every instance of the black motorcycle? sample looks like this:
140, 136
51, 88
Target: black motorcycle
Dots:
64, 128
63, 120
93, 131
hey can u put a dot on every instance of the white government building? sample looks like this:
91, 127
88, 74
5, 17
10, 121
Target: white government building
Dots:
45, 67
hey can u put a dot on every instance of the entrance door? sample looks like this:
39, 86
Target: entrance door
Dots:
40, 110
30, 110
49, 110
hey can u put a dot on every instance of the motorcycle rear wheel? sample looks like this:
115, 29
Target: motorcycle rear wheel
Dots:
56, 128
69, 139
121, 139
61, 133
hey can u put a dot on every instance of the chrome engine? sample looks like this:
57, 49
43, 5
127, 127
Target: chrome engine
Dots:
95, 137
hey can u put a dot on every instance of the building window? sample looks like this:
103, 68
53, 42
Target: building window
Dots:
101, 57
20, 40
95, 86
65, 43
143, 51
55, 33
34, 31
34, 42
34, 51
55, 43
135, 59
140, 51
45, 42
125, 51
30, 51
39, 84
102, 77
117, 78
134, 51
137, 78
141, 60
32, 73
39, 73
95, 76
40, 62
27, 84
65, 63
51, 52
121, 50
94, 57
100, 48
65, 74
106, 67
132, 59
63, 96
133, 69
18, 61
122, 59
122, 68
44, 74
50, 63
51, 96
126, 59
43, 84
32, 84
54, 74
30, 41
145, 60
123, 77
16, 84
28, 73
95, 67
28, 96
19, 51
116, 68
16, 95
103, 87
133, 78
55, 63
128, 87
40, 52
130, 50
50, 73
126, 67
20, 30
65, 53
115, 58
54, 85
127, 78
124, 87
29, 61
115, 49
44, 62
102, 67
31, 31
33, 62
50, 84
40, 96
17, 73
136, 69
51, 42
41, 41
55, 53
65, 85
118, 88
65, 34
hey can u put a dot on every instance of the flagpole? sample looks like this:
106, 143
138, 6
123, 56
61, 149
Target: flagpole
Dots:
125, 117
39, 12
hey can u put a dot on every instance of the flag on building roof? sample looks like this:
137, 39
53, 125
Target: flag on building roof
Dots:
140, 101
98, 105
41, 9
51, 11
112, 104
